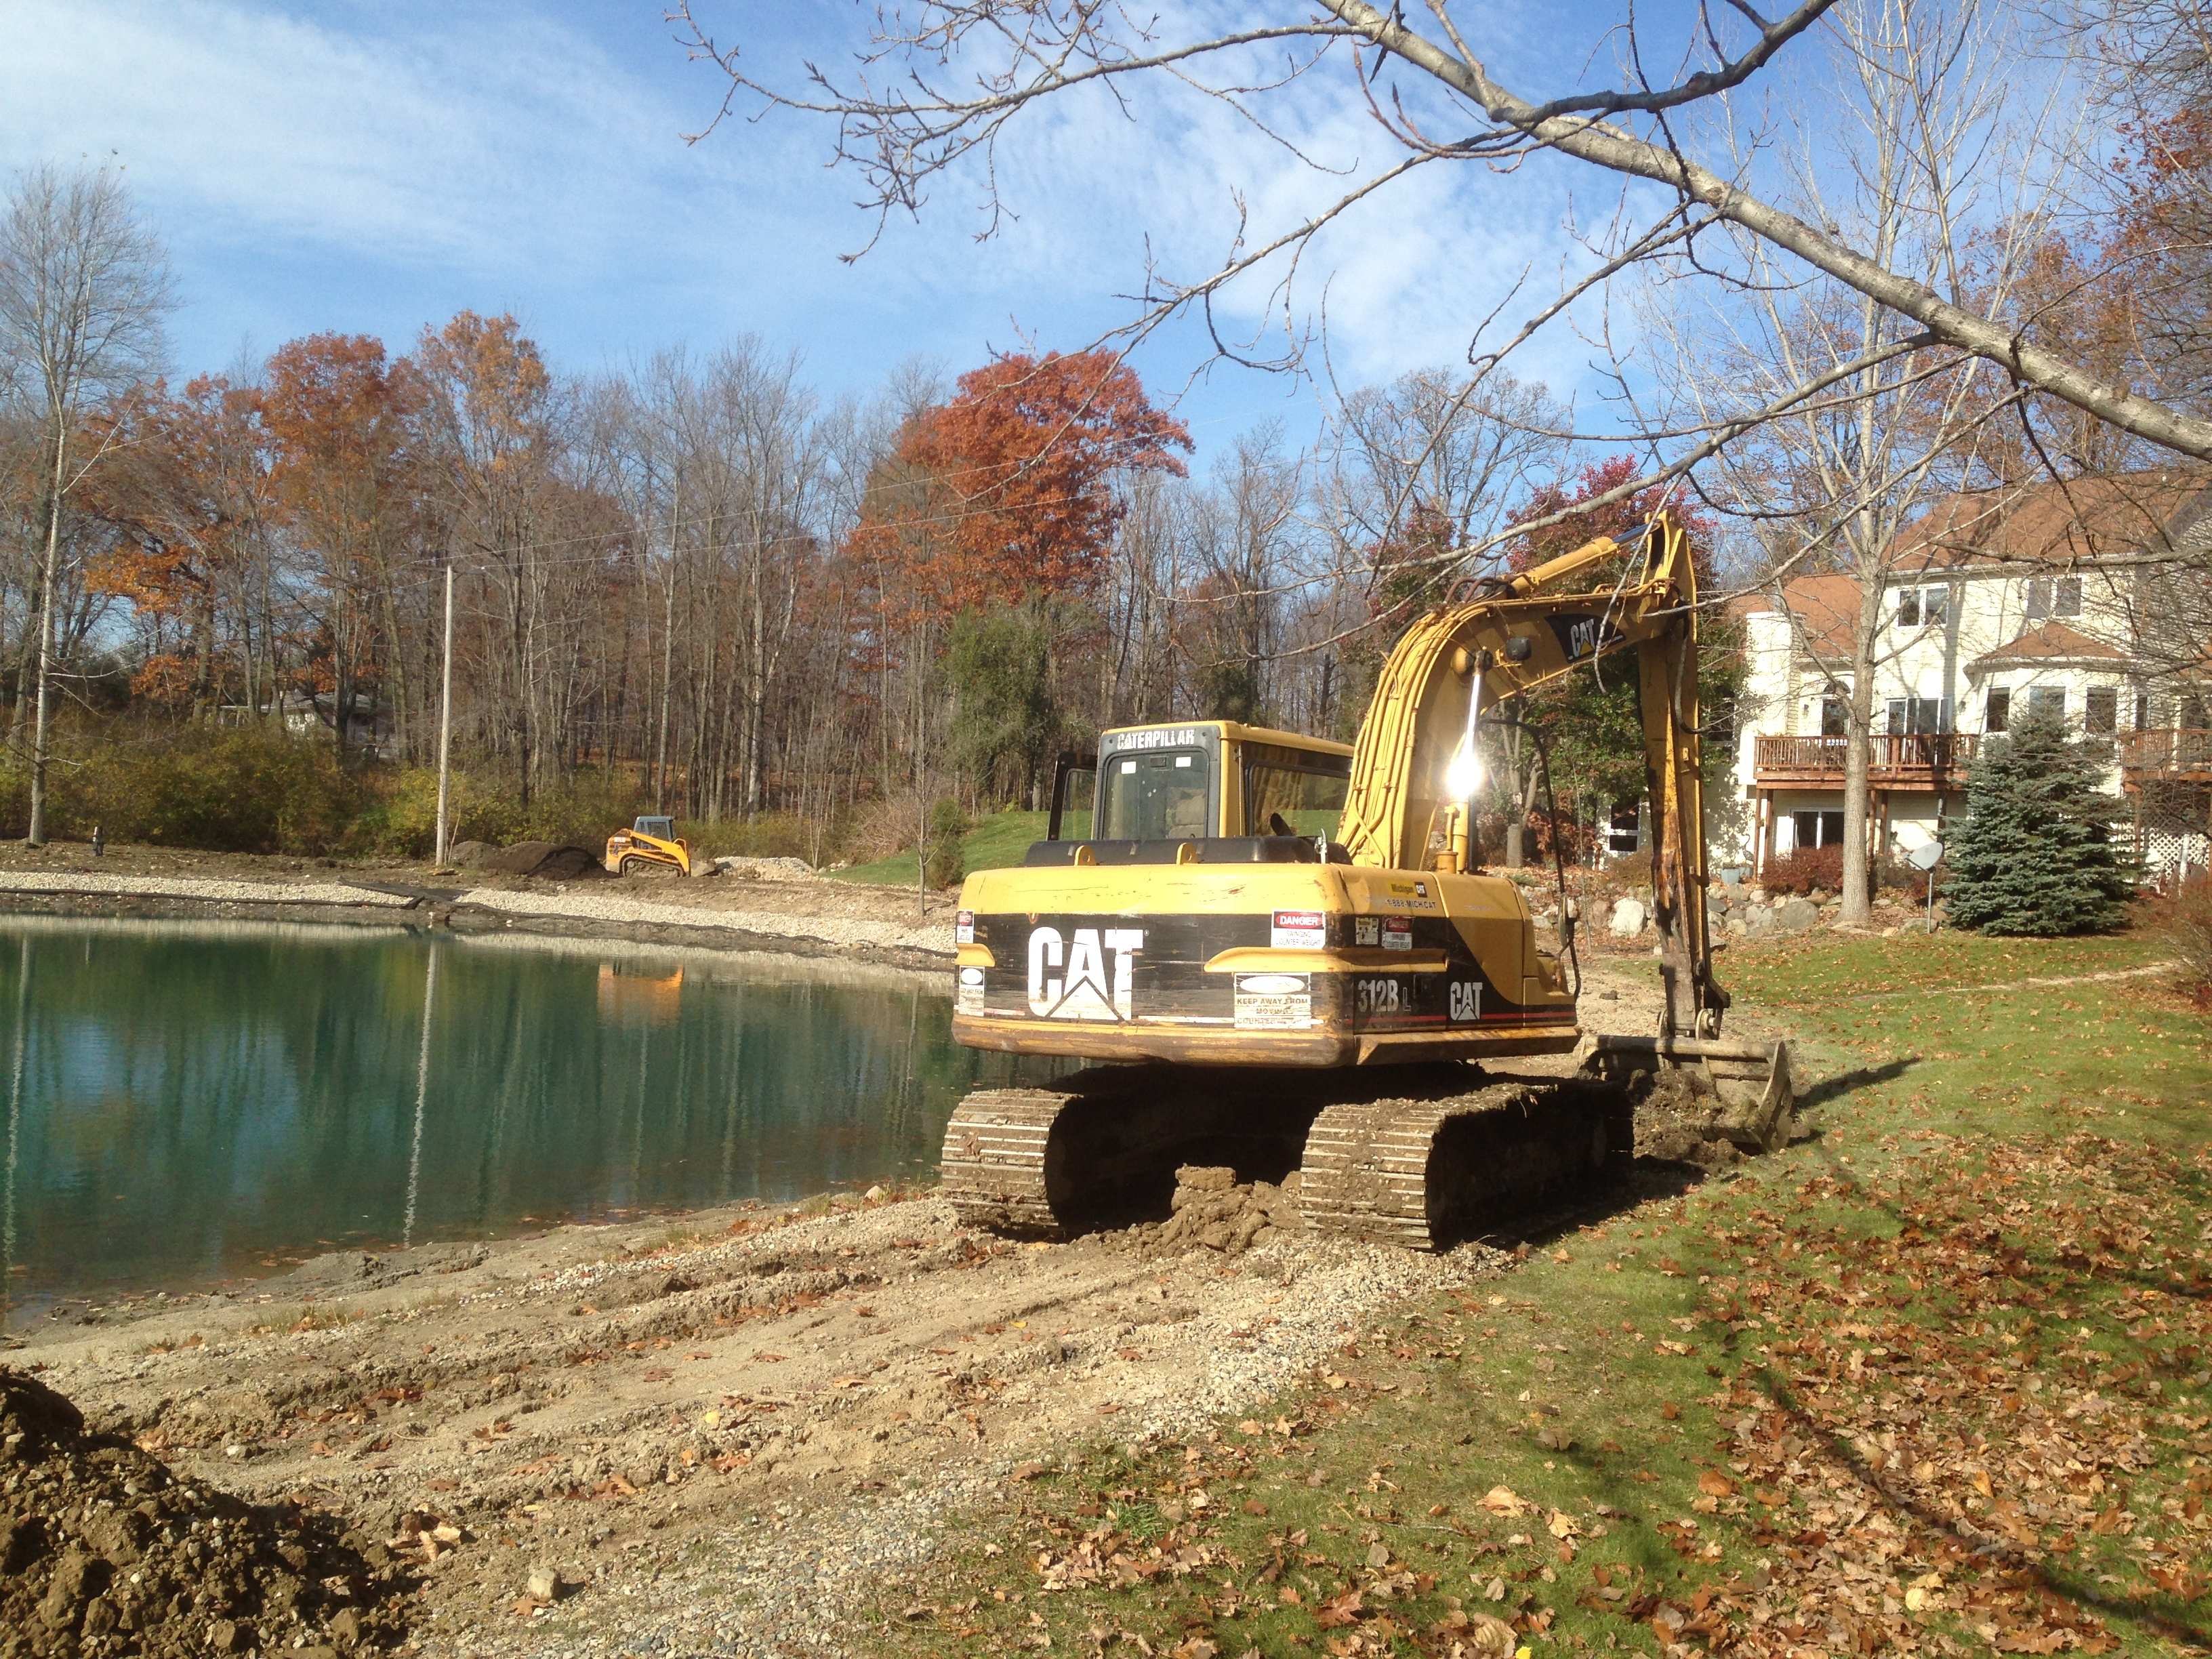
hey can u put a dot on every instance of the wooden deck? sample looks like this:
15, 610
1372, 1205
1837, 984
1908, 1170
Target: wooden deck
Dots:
1919, 760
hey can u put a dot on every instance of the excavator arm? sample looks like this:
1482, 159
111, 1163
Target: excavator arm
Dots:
1415, 770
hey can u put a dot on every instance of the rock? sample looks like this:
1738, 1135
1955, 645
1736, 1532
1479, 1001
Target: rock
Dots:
226, 1636
1214, 1178
463, 854
1628, 918
1797, 914
1757, 920
545, 1585
873, 1194
345, 1626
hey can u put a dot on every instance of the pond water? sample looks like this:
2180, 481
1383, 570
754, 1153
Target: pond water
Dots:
189, 1102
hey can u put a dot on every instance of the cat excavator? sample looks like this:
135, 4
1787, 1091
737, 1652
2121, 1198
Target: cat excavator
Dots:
1261, 990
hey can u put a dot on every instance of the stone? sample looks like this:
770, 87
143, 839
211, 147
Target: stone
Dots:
873, 1194
1797, 914
226, 1636
462, 854
1628, 918
545, 1585
345, 1626
1757, 920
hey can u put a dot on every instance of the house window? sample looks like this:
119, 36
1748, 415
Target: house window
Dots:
1835, 717
1817, 828
2039, 597
1908, 607
1997, 710
2143, 711
1911, 715
2192, 714
2101, 710
1934, 605
2066, 598
2048, 700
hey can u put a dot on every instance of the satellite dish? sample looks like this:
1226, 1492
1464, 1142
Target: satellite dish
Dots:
1926, 856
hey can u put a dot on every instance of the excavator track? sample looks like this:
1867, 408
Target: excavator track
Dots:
1423, 1174
1418, 1172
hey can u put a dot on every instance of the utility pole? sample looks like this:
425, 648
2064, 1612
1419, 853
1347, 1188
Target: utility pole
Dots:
446, 719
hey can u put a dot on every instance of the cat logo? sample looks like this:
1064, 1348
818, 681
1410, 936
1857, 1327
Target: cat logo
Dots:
1466, 1002
1090, 975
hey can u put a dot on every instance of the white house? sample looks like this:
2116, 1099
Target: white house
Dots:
1996, 603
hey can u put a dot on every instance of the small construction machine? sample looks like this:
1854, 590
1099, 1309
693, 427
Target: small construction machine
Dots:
1291, 943
647, 840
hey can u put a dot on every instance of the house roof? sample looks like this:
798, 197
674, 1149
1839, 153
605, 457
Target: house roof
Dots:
2058, 522
2049, 642
1826, 609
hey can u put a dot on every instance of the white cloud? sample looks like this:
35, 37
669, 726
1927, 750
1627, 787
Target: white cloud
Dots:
440, 156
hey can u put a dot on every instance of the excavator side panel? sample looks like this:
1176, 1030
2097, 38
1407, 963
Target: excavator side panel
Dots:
1285, 965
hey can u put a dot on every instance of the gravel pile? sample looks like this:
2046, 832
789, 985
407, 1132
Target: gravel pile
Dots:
830, 930
1211, 1211
553, 860
220, 892
780, 869
103, 1551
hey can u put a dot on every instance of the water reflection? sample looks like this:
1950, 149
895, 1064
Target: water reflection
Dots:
191, 1100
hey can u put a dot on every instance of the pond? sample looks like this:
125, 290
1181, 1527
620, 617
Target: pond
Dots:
191, 1102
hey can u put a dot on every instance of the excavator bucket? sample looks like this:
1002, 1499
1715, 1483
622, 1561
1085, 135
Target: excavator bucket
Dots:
1755, 1100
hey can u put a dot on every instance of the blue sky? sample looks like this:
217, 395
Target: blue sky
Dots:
370, 167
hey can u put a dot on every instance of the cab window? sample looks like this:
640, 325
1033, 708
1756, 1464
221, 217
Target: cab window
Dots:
1306, 790
663, 829
1159, 795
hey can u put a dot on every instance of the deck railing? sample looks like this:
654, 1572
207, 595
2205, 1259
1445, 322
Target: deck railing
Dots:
2178, 751
1894, 756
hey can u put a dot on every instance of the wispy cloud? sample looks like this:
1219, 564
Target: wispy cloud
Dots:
315, 166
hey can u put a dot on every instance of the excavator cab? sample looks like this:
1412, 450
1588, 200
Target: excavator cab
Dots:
647, 840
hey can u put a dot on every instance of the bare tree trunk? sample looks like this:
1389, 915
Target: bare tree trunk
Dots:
37, 835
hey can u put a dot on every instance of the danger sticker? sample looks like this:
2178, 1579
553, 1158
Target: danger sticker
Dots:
1397, 932
1273, 1002
964, 927
1298, 930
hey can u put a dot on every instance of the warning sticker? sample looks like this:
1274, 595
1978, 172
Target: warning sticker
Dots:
1397, 932
969, 998
1366, 930
1273, 1002
1298, 930
964, 927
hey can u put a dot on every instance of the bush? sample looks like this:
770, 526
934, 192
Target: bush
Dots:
2034, 855
403, 820
947, 865
2180, 917
1805, 868
236, 789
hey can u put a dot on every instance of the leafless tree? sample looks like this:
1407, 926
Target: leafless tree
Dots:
936, 86
84, 288
1921, 155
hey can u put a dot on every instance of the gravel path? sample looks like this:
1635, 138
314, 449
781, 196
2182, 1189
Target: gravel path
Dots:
829, 930
217, 892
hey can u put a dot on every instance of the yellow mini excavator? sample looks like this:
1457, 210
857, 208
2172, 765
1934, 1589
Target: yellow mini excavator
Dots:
1295, 997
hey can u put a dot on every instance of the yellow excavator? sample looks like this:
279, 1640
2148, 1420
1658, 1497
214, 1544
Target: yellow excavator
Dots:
648, 840
1293, 997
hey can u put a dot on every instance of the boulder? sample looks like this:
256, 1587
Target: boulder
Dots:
463, 854
1628, 918
1797, 914
1757, 920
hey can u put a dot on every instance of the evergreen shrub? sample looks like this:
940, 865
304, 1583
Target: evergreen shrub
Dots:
948, 864
2034, 855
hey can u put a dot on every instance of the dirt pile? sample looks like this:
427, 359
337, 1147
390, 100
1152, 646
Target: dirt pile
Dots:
103, 1551
547, 859
1212, 1212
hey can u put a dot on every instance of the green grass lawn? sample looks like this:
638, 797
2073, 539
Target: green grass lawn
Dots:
997, 842
1935, 1380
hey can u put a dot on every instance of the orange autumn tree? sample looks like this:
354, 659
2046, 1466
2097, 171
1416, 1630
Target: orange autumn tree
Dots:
183, 484
1006, 488
341, 419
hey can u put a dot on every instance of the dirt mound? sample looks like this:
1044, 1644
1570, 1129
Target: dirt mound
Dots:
103, 1551
549, 859
1213, 1213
